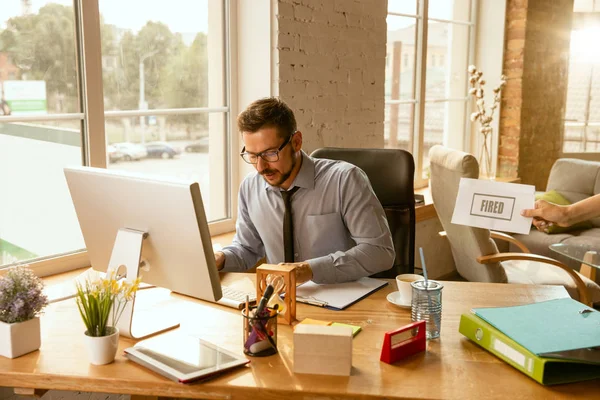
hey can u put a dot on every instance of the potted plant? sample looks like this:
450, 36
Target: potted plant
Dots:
21, 302
484, 117
101, 303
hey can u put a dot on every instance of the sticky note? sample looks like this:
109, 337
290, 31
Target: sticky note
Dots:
355, 328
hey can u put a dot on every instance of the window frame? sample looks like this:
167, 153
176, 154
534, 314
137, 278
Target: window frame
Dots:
417, 138
92, 118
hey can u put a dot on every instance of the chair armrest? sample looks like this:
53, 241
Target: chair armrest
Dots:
498, 257
502, 236
510, 239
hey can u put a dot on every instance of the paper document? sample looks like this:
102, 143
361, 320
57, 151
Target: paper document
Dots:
493, 205
337, 296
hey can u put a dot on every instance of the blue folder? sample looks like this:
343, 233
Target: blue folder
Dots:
561, 328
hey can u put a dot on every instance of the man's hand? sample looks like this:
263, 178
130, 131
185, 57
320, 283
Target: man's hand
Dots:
303, 272
220, 260
547, 214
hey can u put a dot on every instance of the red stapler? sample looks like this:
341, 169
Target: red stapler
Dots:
403, 342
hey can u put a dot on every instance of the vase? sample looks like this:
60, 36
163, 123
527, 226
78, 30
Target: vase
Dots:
486, 165
19, 338
102, 349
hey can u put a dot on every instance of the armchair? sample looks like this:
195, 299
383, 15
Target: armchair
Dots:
475, 253
391, 173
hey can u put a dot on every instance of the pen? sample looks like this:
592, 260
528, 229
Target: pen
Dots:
264, 300
312, 302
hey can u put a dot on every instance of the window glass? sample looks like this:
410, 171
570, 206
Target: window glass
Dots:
444, 78
447, 60
167, 56
400, 70
456, 10
403, 6
37, 218
399, 126
38, 77
582, 114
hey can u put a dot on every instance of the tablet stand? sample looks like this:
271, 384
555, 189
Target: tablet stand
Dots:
127, 252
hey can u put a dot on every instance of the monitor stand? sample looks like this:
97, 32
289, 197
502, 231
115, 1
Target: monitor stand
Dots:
127, 252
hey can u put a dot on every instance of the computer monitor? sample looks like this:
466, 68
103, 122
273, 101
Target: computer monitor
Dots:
159, 223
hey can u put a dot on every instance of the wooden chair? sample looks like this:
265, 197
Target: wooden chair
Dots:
475, 253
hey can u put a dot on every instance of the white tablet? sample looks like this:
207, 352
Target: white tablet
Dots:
183, 358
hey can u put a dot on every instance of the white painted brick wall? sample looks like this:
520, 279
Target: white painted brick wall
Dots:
331, 69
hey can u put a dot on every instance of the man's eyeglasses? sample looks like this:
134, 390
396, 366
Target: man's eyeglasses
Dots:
268, 156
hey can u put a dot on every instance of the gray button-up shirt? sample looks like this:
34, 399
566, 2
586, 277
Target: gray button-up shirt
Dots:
340, 227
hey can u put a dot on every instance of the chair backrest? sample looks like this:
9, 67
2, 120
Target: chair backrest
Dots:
391, 173
467, 243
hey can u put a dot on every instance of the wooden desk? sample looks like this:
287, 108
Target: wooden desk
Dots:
452, 367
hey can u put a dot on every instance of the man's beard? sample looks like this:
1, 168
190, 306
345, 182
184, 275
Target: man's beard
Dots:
284, 176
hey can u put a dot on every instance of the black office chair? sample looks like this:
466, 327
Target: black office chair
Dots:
391, 173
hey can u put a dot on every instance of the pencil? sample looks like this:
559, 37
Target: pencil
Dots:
247, 300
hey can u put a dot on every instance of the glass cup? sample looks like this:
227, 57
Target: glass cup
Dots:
427, 306
260, 332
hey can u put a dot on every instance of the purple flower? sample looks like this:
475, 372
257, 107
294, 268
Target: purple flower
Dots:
21, 295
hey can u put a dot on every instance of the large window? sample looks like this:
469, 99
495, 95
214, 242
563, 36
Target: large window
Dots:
428, 51
582, 115
155, 99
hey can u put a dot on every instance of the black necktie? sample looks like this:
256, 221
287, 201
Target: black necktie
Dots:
288, 225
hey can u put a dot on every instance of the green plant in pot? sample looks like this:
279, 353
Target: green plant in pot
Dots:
101, 303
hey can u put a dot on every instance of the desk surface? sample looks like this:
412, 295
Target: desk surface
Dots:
452, 367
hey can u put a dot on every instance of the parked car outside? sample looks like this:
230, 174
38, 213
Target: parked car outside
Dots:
199, 146
131, 151
161, 150
114, 155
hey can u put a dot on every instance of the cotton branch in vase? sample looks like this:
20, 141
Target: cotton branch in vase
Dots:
483, 116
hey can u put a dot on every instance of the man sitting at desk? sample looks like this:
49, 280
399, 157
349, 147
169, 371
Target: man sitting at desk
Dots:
338, 232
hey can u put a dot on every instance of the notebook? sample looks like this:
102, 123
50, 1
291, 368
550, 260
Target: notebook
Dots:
337, 296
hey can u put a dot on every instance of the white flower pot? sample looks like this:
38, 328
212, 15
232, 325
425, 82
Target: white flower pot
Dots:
102, 349
19, 338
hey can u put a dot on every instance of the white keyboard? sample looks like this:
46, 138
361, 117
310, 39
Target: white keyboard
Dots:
235, 298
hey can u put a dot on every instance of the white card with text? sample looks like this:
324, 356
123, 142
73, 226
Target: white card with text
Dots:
493, 205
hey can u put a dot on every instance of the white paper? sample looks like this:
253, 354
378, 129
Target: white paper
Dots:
337, 295
493, 205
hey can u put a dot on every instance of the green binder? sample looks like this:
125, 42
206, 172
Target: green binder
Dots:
547, 371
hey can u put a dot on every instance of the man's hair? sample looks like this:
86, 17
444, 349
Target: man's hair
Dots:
266, 113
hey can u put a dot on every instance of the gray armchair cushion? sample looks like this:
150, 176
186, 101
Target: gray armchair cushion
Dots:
575, 180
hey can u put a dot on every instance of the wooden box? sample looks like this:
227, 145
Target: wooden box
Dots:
323, 350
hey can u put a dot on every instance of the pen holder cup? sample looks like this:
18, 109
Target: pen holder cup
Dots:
260, 332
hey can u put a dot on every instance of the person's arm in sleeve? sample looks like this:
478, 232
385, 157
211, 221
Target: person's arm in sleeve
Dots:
365, 219
247, 247
545, 214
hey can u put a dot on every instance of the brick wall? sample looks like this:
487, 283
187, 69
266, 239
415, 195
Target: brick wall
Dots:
331, 69
533, 103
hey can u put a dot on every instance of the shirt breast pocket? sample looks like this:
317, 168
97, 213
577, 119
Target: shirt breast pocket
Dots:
326, 234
